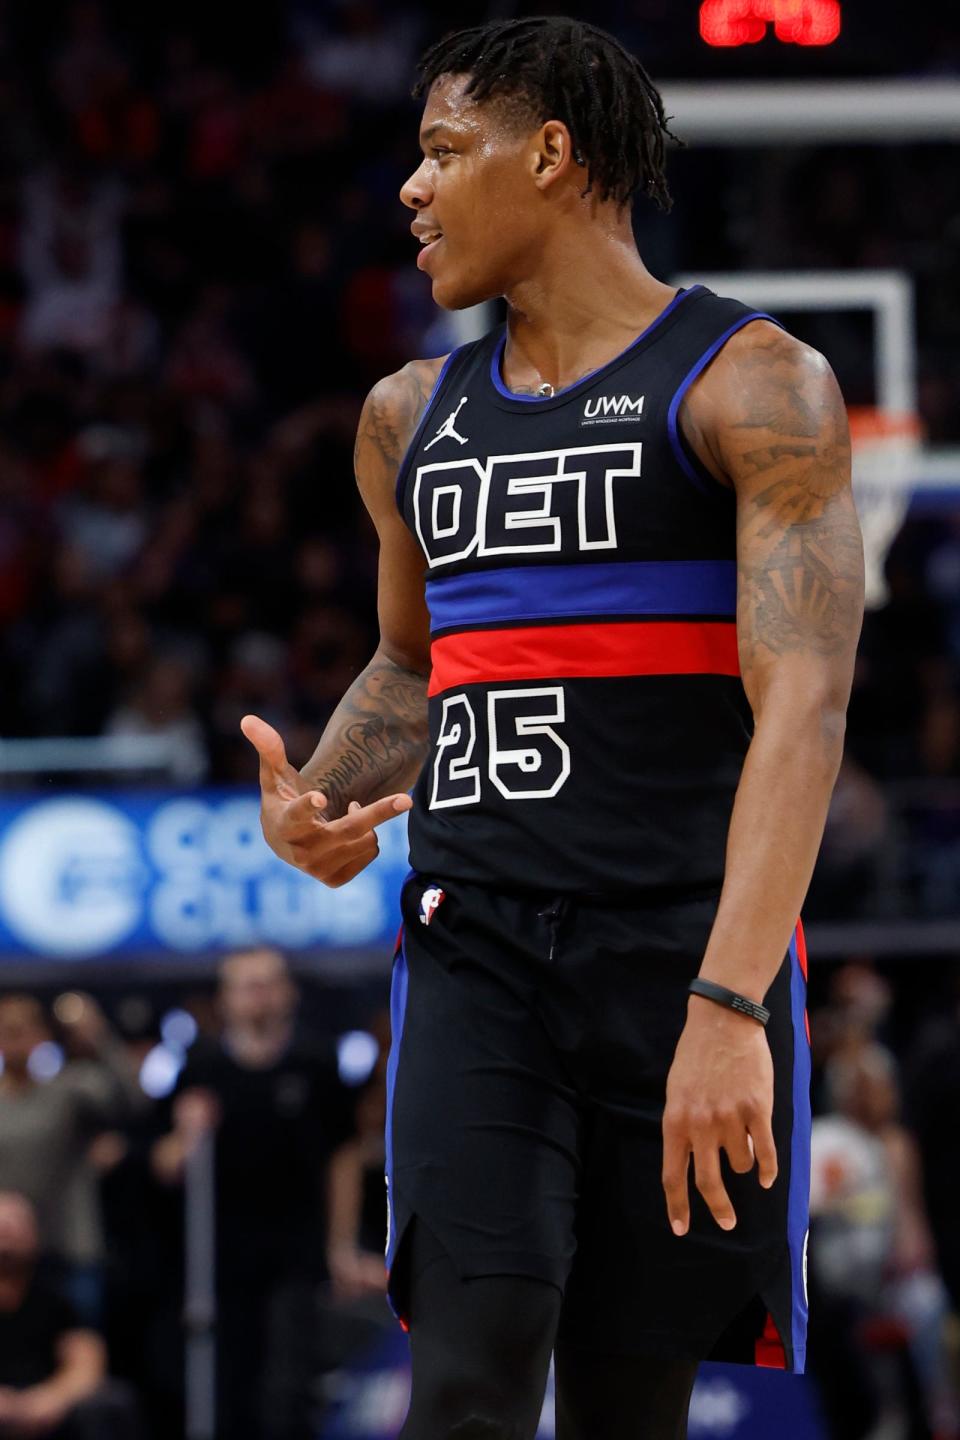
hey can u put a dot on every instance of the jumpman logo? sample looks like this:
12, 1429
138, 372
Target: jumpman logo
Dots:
448, 430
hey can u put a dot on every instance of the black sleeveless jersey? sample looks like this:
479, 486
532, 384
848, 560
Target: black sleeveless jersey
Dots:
588, 724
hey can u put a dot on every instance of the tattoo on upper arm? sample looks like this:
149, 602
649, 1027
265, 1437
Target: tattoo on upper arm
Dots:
377, 739
800, 557
390, 417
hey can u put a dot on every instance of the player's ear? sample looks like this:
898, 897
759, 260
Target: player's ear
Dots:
553, 153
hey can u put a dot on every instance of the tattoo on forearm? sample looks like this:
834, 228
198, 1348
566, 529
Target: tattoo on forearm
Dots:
800, 573
377, 739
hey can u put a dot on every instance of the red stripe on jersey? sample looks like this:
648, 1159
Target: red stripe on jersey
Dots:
548, 652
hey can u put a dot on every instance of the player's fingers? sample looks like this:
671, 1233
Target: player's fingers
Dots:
676, 1165
766, 1150
335, 867
267, 742
739, 1148
303, 815
321, 853
706, 1164
361, 818
340, 877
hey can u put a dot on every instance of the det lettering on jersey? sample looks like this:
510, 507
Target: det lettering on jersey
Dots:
542, 501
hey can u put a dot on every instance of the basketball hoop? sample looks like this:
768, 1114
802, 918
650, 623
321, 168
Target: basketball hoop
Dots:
885, 447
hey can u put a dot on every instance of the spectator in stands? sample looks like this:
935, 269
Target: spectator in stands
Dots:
882, 1305
70, 258
354, 1312
46, 1128
357, 1226
933, 1093
273, 1099
160, 708
52, 1367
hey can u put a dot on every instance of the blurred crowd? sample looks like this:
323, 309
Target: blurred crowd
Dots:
256, 1135
219, 1191
204, 265
884, 1260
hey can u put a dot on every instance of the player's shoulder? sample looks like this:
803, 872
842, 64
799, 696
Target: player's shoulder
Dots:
388, 421
759, 370
400, 399
762, 348
763, 386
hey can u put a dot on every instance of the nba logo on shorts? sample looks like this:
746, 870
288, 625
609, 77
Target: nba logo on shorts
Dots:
429, 902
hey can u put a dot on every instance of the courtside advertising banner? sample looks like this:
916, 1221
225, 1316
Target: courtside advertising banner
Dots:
156, 873
730, 1402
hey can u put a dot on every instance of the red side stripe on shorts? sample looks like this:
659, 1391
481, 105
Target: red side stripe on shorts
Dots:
802, 962
768, 1350
547, 652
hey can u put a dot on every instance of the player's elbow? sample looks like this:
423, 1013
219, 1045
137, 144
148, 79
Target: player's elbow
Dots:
832, 731
820, 728
807, 714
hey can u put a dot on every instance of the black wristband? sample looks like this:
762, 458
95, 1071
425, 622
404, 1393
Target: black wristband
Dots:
720, 995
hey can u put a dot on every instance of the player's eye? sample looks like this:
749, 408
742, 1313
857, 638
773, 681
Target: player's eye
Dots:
440, 150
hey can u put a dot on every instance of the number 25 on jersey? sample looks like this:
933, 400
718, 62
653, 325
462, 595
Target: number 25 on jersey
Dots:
520, 754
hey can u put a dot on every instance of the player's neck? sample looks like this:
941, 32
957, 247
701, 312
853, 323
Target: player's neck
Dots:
588, 298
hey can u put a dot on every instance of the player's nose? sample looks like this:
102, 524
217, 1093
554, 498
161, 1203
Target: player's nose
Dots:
416, 192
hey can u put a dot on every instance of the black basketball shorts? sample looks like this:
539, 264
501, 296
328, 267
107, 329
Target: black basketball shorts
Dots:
532, 1037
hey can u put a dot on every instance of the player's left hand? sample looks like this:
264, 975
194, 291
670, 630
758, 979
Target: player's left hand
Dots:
719, 1097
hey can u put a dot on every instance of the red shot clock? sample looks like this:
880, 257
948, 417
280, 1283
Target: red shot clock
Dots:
793, 22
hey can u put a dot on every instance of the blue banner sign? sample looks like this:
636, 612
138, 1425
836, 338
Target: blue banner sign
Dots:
140, 872
729, 1402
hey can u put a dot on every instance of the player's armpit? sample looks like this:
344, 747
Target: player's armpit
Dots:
781, 436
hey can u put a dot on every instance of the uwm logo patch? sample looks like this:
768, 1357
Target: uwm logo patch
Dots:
608, 409
544, 501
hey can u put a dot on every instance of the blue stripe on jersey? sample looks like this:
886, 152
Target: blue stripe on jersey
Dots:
553, 592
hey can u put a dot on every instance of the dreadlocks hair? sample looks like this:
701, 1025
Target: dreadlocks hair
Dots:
556, 68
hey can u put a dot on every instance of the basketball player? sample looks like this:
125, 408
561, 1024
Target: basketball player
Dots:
620, 591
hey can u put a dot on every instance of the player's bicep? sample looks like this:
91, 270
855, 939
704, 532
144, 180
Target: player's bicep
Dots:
785, 445
401, 598
388, 421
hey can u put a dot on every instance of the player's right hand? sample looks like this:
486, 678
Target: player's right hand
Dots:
295, 824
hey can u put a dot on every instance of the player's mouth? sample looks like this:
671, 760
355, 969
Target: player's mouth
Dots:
429, 242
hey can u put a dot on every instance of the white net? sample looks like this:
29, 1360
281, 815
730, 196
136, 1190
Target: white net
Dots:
885, 452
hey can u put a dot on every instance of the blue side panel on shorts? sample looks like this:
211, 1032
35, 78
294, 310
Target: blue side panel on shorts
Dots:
398, 1007
798, 1202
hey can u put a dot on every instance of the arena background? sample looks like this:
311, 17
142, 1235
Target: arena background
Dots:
203, 267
